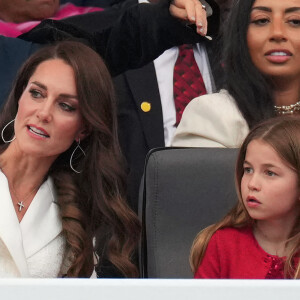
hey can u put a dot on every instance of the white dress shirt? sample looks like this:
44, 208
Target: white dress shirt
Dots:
164, 67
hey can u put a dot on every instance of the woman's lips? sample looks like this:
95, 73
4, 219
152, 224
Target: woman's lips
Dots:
278, 56
37, 132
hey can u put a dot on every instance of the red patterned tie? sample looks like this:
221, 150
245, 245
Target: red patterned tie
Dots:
188, 81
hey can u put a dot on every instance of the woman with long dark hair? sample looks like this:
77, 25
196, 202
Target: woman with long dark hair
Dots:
62, 172
262, 69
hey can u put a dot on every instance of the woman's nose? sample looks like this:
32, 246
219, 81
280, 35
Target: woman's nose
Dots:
44, 112
278, 31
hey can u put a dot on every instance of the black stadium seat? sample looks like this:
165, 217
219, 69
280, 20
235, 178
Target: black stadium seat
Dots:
183, 191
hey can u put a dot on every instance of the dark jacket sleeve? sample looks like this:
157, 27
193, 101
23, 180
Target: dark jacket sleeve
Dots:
140, 34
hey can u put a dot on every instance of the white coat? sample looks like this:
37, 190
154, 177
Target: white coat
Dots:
212, 120
35, 247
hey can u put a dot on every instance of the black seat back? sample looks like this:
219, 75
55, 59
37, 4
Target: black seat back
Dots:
183, 191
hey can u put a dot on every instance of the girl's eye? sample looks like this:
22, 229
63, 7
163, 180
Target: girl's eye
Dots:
35, 94
260, 22
66, 107
247, 170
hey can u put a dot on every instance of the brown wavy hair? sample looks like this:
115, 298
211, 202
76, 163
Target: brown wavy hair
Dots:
94, 200
283, 134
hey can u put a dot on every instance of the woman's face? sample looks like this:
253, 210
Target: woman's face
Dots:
274, 37
49, 119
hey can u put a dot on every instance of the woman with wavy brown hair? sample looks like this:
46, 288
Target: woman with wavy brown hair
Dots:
260, 237
62, 175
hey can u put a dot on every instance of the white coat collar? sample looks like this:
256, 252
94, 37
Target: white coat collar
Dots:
40, 224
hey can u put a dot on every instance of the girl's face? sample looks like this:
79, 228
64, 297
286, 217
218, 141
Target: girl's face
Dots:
273, 37
49, 118
269, 187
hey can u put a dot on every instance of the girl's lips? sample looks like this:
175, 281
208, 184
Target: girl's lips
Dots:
252, 202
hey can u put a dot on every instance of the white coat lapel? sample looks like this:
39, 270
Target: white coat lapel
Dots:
42, 222
10, 231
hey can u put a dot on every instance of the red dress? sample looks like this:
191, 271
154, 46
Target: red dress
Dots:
235, 253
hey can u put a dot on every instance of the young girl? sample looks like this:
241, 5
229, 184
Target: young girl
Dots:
260, 237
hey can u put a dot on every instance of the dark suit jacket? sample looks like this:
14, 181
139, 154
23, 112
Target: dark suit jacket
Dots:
127, 36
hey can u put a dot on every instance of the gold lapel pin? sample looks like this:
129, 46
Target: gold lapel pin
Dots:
146, 106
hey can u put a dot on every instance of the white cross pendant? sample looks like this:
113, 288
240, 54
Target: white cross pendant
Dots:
21, 205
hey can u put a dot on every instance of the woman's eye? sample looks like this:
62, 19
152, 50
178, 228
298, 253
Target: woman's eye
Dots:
260, 22
247, 170
35, 94
66, 107
270, 173
295, 22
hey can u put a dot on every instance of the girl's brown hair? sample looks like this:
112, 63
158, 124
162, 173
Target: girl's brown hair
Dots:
93, 200
283, 134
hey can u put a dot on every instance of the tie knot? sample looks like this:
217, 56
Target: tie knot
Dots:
185, 47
